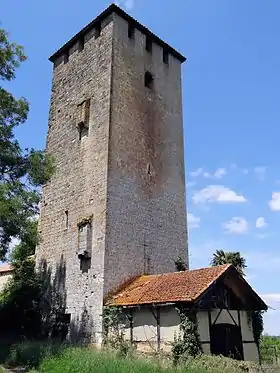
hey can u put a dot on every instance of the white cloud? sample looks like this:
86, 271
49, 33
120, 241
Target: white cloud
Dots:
217, 193
128, 4
190, 184
245, 171
197, 172
273, 297
274, 203
218, 174
260, 172
260, 222
236, 225
193, 221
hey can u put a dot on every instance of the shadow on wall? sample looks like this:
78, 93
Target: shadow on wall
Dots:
59, 325
34, 307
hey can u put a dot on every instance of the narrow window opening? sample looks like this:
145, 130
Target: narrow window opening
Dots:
66, 219
149, 80
66, 56
149, 44
82, 130
97, 30
81, 43
131, 31
85, 244
165, 56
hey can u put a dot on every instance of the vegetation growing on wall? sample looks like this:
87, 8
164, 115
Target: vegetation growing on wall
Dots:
187, 343
180, 264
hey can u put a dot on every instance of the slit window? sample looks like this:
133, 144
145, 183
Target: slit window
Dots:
66, 219
165, 56
97, 30
66, 56
149, 80
149, 44
81, 43
130, 31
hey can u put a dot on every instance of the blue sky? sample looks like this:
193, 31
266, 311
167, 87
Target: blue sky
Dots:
231, 114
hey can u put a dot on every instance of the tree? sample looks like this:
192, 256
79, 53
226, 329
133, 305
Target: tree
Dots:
235, 258
222, 257
22, 172
180, 264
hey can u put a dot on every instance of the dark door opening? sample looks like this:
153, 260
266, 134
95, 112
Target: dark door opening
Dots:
226, 340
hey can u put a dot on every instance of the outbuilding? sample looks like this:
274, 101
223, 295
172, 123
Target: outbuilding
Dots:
220, 297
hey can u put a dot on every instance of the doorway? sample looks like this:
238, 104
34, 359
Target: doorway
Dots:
226, 340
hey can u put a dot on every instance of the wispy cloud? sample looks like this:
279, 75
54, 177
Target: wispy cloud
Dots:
274, 203
193, 221
260, 172
236, 225
218, 174
190, 184
260, 222
217, 194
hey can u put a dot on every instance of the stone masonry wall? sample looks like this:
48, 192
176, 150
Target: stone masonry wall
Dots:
79, 185
125, 174
146, 212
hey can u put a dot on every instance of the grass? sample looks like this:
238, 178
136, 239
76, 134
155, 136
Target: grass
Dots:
85, 360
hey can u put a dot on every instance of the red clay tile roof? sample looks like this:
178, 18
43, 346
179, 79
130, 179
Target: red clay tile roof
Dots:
184, 286
6, 268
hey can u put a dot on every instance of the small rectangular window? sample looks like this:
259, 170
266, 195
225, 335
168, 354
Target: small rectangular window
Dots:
149, 80
66, 219
66, 56
97, 30
131, 31
165, 56
81, 43
149, 44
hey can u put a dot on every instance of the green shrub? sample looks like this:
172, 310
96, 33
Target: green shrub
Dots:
30, 354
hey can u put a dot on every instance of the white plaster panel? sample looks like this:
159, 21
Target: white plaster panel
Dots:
206, 349
224, 317
250, 351
203, 325
169, 323
246, 327
144, 326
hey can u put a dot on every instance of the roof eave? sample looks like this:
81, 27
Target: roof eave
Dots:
113, 8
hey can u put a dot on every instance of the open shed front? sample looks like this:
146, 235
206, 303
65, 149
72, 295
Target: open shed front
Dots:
223, 307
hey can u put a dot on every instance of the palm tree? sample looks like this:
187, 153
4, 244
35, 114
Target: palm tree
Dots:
234, 258
230, 257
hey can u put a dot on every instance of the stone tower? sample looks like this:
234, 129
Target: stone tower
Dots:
115, 207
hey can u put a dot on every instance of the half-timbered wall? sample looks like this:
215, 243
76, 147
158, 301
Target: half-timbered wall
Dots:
155, 327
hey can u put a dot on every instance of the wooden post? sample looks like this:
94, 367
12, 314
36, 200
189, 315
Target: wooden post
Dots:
131, 325
158, 328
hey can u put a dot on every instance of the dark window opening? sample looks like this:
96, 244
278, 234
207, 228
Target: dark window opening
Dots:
66, 57
66, 219
131, 31
165, 56
85, 245
83, 131
97, 30
149, 44
81, 43
149, 80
